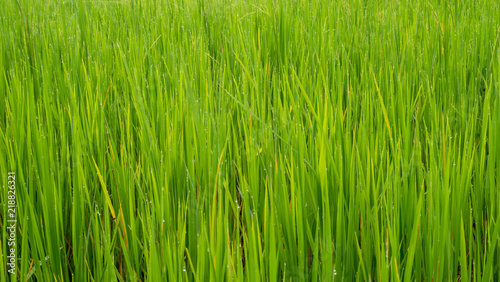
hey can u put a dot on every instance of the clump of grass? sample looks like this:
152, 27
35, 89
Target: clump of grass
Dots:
252, 140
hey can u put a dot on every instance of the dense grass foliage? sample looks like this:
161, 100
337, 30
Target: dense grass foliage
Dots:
251, 140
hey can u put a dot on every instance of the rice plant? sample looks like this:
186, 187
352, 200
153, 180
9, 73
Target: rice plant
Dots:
257, 140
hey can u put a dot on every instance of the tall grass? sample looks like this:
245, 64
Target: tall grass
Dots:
252, 140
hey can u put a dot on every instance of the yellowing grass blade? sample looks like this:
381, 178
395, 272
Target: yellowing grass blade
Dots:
110, 205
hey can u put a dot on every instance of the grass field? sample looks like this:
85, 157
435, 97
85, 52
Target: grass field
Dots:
258, 140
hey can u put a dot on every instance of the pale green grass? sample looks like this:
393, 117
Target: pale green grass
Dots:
252, 140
